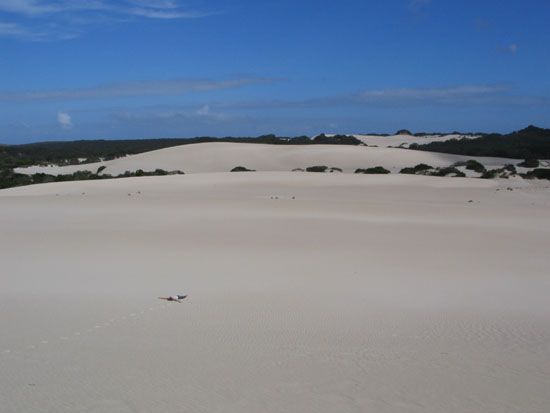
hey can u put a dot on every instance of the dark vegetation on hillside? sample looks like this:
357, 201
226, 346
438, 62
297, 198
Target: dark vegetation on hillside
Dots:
9, 179
528, 143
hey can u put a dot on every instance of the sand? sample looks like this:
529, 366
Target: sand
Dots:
307, 293
406, 140
222, 157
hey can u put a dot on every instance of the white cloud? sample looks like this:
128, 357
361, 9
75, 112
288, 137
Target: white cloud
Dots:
408, 97
64, 120
171, 87
37, 17
16, 31
203, 111
441, 95
513, 48
203, 114
152, 9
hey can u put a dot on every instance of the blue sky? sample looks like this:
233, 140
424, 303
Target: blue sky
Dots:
85, 69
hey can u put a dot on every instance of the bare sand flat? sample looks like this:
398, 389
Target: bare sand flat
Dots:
308, 293
222, 157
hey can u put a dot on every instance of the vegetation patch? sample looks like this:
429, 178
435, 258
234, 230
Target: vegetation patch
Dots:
242, 169
9, 178
421, 168
528, 143
539, 173
319, 168
504, 173
377, 170
472, 165
529, 163
448, 171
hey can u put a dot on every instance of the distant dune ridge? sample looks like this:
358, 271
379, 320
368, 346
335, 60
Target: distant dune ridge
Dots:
222, 157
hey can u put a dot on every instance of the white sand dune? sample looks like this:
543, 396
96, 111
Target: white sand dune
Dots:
407, 140
222, 157
307, 293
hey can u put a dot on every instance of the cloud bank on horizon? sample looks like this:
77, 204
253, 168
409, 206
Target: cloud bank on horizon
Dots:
160, 68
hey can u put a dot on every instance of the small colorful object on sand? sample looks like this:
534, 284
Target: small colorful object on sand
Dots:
174, 298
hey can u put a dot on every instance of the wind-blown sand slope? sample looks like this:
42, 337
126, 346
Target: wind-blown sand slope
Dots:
222, 157
406, 140
363, 293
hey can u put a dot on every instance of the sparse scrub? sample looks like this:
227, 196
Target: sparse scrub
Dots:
448, 171
539, 173
377, 170
475, 166
242, 169
421, 168
319, 168
529, 163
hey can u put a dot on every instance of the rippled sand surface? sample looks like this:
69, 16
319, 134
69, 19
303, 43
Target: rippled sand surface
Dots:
307, 293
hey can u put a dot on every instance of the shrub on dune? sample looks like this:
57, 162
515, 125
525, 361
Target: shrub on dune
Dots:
539, 173
504, 172
529, 163
448, 171
242, 169
319, 168
418, 169
377, 170
473, 165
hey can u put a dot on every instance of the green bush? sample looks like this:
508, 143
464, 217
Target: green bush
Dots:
529, 163
421, 167
450, 170
377, 170
321, 168
539, 173
505, 172
476, 166
8, 178
241, 169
